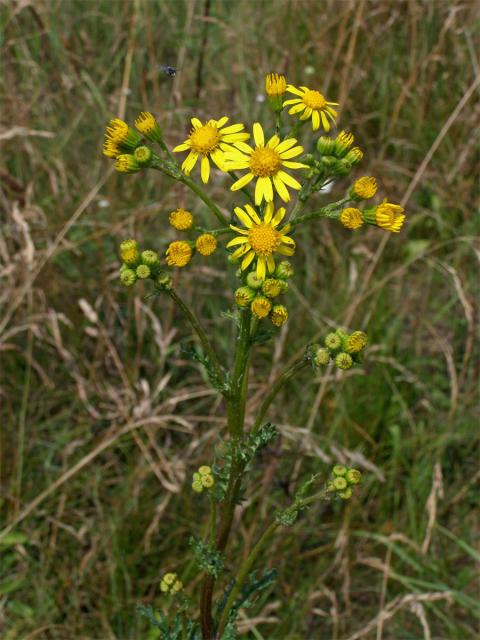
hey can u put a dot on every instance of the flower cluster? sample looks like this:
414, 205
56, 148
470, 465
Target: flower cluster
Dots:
170, 584
203, 479
258, 293
180, 252
342, 348
138, 265
342, 480
386, 215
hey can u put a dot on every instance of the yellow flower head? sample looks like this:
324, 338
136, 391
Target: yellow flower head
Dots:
279, 315
311, 104
119, 132
354, 156
244, 296
149, 127
129, 252
261, 307
206, 244
272, 287
181, 219
351, 218
261, 238
265, 162
126, 163
364, 188
210, 141
275, 84
178, 253
111, 149
356, 342
343, 142
387, 216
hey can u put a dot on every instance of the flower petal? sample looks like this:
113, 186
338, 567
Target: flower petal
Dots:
266, 188
291, 153
292, 89
237, 240
315, 120
261, 270
271, 263
205, 169
294, 165
306, 114
273, 142
243, 217
281, 188
286, 144
325, 122
238, 230
232, 128
297, 108
253, 214
247, 260
221, 122
189, 162
241, 146
285, 251
196, 124
292, 101
241, 182
268, 212
182, 147
258, 134
219, 159
235, 137
259, 195
279, 216
241, 251
289, 180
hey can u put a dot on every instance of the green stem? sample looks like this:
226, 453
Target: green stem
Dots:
235, 409
203, 196
243, 573
284, 377
192, 318
278, 122
330, 211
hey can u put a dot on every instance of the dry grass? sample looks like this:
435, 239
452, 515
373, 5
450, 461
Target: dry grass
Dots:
103, 418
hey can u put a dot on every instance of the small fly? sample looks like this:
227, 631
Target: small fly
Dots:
170, 71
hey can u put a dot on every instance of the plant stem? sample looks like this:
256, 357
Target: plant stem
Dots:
192, 318
330, 211
243, 573
275, 388
203, 196
235, 413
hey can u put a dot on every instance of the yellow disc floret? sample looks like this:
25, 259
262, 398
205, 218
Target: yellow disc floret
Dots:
389, 216
264, 239
265, 162
275, 84
261, 307
178, 253
206, 244
364, 188
181, 219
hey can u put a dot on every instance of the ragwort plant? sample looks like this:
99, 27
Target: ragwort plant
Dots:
256, 240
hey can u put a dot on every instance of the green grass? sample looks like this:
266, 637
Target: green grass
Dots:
98, 544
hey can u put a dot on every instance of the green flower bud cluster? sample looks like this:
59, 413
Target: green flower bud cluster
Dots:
342, 348
203, 479
170, 584
337, 156
257, 294
138, 265
342, 480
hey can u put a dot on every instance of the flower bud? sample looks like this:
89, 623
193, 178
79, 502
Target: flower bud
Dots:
197, 486
149, 258
333, 341
207, 481
149, 127
309, 159
204, 470
340, 483
343, 142
363, 188
343, 360
354, 156
261, 307
342, 167
284, 286
321, 357
272, 287
351, 218
354, 476
279, 315
143, 271
206, 244
345, 495
325, 146
284, 270
164, 281
275, 88
128, 277
329, 162
244, 296
181, 219
143, 155
356, 342
178, 253
339, 470
126, 163
129, 252
254, 282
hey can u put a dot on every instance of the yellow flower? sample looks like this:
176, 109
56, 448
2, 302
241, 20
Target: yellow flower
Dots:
354, 155
387, 216
210, 141
261, 238
178, 253
351, 218
148, 126
129, 252
261, 307
364, 188
181, 219
343, 142
206, 244
111, 149
279, 315
356, 342
265, 162
126, 163
119, 132
313, 105
275, 84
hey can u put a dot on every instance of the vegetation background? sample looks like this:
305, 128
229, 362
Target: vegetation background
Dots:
104, 419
